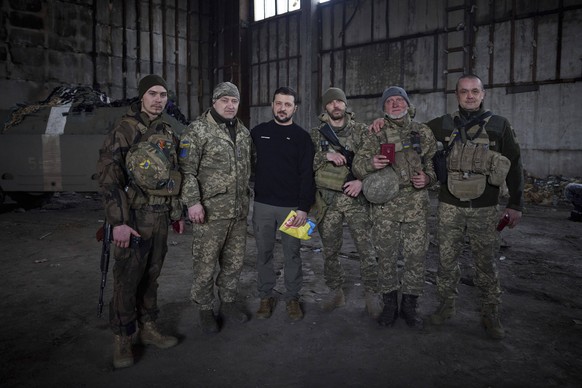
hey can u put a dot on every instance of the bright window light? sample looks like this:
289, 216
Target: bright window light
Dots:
269, 8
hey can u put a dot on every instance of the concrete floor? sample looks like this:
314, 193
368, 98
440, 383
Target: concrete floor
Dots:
51, 335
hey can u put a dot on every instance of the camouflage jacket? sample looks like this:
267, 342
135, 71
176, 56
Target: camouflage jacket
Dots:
119, 195
410, 203
350, 137
216, 169
399, 133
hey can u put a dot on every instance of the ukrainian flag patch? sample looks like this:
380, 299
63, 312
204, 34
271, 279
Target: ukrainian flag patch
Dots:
184, 148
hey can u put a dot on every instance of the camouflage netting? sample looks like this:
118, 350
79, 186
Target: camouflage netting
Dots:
82, 99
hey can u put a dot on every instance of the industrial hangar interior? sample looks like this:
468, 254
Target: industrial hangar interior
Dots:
530, 60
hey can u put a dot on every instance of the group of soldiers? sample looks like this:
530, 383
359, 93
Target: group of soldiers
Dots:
374, 178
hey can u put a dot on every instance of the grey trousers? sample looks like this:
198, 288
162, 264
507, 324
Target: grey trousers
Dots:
266, 222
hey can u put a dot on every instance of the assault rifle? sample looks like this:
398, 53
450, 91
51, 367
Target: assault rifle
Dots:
105, 234
330, 135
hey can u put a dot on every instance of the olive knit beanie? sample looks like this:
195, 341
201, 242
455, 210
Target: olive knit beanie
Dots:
333, 94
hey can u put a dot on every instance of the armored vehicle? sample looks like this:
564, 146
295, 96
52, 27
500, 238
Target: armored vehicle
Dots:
53, 146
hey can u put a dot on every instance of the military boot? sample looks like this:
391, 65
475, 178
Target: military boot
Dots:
333, 300
230, 310
390, 312
122, 355
208, 322
408, 311
490, 318
373, 304
446, 310
150, 335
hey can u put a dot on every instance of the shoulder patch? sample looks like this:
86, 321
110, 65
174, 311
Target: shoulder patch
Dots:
184, 148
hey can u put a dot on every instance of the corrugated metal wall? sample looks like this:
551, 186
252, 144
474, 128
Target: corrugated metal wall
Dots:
527, 53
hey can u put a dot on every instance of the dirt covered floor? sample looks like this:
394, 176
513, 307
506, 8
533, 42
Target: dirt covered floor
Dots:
51, 335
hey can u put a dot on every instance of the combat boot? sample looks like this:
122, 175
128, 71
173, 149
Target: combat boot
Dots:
408, 311
446, 310
150, 335
266, 308
208, 322
294, 310
333, 300
490, 318
390, 312
122, 355
230, 310
373, 304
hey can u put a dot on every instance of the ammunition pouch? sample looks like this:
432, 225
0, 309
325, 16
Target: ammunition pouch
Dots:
407, 164
171, 186
498, 168
466, 186
467, 166
471, 156
331, 177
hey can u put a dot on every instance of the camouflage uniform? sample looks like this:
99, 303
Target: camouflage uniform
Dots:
400, 225
136, 268
479, 216
216, 174
340, 207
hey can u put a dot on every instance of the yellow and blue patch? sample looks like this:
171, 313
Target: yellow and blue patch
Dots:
184, 148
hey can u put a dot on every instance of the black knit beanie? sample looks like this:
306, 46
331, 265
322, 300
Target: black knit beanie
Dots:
148, 81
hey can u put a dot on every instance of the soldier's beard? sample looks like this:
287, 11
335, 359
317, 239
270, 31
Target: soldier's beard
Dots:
336, 114
397, 116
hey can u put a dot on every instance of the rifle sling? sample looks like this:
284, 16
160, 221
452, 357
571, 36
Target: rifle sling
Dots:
462, 130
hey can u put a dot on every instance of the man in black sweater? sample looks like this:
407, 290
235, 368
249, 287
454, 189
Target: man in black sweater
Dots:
283, 165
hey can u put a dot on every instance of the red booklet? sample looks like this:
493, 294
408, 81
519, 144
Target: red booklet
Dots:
388, 150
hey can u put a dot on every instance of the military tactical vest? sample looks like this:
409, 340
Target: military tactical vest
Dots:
471, 163
151, 165
330, 176
408, 153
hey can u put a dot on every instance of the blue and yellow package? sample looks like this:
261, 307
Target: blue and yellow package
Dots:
302, 232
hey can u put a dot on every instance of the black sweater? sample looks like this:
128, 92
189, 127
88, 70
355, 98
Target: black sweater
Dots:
283, 165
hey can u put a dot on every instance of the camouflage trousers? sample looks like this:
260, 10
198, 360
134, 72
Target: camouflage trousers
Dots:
136, 271
217, 245
355, 213
479, 225
393, 239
